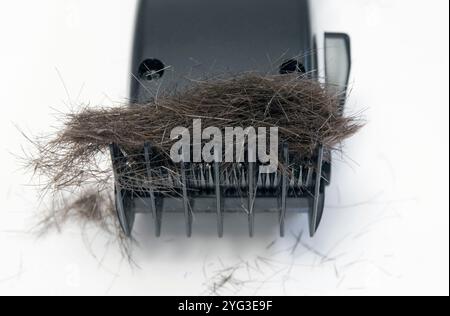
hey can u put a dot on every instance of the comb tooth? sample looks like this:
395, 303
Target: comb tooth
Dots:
227, 178
186, 204
198, 176
243, 177
152, 194
202, 177
193, 177
158, 221
234, 177
314, 215
267, 182
238, 175
275, 180
309, 176
251, 199
205, 175
210, 178
300, 177
259, 182
219, 205
292, 178
263, 179
284, 191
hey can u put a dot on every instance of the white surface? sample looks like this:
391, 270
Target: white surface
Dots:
386, 227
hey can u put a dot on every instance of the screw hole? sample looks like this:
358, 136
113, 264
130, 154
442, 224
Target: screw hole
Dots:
292, 66
151, 69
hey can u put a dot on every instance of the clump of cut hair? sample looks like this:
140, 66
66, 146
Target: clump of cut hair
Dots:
306, 112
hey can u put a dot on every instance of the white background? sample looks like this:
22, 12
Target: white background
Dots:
386, 226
